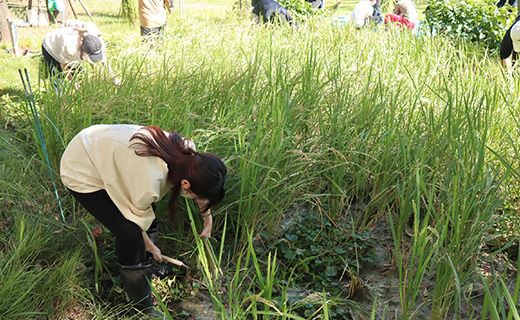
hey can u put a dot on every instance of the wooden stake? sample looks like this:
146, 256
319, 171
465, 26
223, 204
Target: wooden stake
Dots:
72, 8
174, 261
86, 10
5, 34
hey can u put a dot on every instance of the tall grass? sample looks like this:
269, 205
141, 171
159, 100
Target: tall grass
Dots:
39, 266
129, 11
324, 117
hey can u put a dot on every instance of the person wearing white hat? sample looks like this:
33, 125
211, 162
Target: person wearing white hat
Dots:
364, 11
510, 46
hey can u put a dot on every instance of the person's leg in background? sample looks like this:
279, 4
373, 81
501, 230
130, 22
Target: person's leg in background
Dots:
153, 35
52, 68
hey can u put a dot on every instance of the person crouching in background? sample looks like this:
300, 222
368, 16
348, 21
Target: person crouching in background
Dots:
366, 11
510, 45
405, 14
66, 48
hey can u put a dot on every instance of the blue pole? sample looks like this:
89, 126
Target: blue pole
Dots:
34, 111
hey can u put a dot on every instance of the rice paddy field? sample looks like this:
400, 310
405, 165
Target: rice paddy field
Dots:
373, 173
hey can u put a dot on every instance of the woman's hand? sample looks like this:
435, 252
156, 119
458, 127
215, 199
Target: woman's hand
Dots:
151, 247
208, 225
507, 64
206, 215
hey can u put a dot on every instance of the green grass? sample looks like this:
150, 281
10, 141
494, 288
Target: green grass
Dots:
39, 268
316, 119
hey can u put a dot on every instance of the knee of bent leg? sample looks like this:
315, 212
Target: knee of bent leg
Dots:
130, 234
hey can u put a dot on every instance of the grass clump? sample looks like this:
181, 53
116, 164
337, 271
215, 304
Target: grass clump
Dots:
336, 119
40, 268
129, 11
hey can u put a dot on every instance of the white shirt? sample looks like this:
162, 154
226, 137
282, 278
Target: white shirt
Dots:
361, 11
63, 44
100, 157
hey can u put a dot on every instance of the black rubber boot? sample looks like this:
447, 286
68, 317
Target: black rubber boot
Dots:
136, 282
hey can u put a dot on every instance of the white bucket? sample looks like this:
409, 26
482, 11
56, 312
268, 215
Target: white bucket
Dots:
38, 18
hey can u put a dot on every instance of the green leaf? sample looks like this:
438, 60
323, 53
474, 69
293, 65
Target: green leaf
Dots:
331, 271
291, 237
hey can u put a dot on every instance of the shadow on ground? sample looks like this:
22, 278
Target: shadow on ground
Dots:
12, 94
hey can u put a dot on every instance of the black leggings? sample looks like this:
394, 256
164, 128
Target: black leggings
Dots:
129, 240
502, 3
53, 67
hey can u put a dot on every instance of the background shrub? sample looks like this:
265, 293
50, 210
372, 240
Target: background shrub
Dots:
300, 9
129, 11
476, 21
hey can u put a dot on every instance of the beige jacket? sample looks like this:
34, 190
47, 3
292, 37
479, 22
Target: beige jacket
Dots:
152, 13
100, 157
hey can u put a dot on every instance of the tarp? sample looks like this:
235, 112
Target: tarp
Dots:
56, 5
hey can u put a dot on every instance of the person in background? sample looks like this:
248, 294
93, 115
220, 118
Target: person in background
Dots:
405, 14
377, 16
118, 173
270, 11
510, 47
365, 11
152, 17
66, 48
502, 3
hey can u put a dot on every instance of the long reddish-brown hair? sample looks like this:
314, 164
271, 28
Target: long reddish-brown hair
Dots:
205, 171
